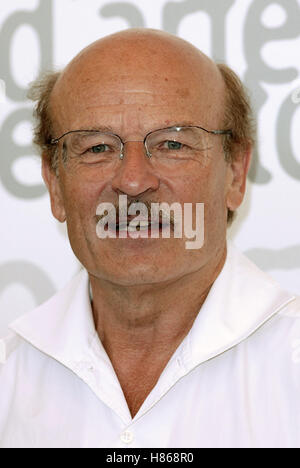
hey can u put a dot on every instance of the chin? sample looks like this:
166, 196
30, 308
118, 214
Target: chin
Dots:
133, 275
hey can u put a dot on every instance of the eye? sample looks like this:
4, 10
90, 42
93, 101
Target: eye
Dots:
173, 145
99, 148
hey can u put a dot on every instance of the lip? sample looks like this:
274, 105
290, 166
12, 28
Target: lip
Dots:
154, 231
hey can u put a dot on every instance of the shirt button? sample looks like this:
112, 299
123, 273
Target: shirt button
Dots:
127, 437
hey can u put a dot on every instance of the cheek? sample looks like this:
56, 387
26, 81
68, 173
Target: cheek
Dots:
80, 199
207, 186
210, 188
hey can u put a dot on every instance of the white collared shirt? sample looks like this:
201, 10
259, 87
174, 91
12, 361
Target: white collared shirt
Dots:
234, 381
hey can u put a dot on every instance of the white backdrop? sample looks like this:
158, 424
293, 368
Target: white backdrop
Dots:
259, 39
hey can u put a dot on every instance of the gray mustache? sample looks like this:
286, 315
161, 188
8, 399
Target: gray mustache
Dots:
152, 212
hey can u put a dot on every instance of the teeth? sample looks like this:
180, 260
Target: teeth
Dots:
134, 226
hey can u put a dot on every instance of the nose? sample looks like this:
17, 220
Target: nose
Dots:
135, 174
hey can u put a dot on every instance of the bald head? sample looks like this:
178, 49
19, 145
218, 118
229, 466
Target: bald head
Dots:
139, 66
145, 48
142, 51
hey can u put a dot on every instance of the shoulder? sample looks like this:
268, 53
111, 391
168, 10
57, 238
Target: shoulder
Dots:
292, 311
8, 345
275, 347
16, 358
17, 343
15, 351
288, 325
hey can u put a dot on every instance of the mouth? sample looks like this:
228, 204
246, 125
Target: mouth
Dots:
134, 226
141, 228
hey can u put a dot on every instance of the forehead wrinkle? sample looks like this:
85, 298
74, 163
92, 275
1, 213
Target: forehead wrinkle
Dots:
80, 99
95, 98
117, 118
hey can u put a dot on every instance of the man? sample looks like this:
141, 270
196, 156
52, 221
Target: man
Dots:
152, 344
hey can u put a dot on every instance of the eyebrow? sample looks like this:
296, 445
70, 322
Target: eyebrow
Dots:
103, 128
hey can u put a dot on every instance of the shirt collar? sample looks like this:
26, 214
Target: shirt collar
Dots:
63, 327
241, 299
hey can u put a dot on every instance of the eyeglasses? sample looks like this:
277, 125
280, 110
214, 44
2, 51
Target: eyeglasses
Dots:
164, 145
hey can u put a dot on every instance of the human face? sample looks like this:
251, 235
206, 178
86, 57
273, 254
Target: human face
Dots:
133, 97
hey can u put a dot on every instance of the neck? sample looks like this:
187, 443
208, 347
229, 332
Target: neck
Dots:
145, 316
141, 326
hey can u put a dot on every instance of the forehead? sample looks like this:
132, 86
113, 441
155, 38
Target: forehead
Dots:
151, 86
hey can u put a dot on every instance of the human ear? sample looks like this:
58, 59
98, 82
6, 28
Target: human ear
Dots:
52, 181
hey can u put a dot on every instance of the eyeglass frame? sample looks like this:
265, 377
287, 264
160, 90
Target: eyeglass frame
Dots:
54, 141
